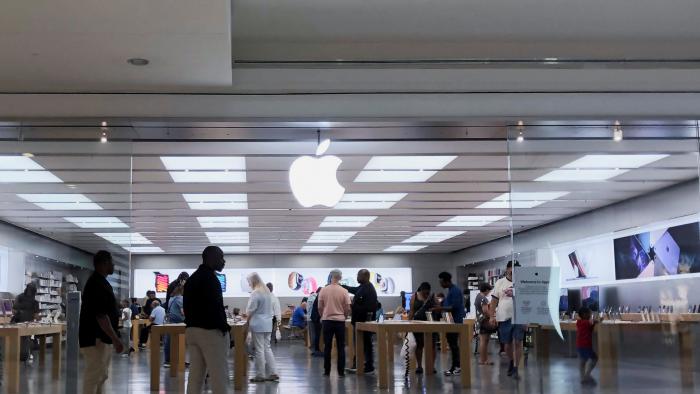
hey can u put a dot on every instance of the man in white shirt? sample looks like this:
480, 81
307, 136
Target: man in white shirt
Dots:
276, 314
510, 334
157, 318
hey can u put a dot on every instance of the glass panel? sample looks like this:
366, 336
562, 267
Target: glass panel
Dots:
611, 212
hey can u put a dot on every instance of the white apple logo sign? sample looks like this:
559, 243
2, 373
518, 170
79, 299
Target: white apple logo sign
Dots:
314, 179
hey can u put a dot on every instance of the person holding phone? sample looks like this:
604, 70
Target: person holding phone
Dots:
501, 310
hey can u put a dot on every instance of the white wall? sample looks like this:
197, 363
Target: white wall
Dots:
425, 267
22, 243
676, 201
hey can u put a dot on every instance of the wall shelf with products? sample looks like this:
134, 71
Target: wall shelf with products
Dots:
48, 290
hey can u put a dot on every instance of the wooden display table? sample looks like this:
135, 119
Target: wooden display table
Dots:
12, 334
609, 332
177, 353
136, 332
385, 349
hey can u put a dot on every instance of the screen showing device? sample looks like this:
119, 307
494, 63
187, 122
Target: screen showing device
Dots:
668, 253
576, 264
407, 301
222, 280
162, 282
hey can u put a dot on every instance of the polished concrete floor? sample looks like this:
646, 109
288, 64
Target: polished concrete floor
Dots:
302, 374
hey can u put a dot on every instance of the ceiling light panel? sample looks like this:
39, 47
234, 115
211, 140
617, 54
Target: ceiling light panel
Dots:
223, 221
470, 221
122, 239
235, 237
60, 202
596, 168
217, 201
614, 161
318, 248
197, 169
369, 200
143, 249
347, 221
402, 168
22, 169
433, 236
97, 222
405, 248
521, 200
235, 249
330, 237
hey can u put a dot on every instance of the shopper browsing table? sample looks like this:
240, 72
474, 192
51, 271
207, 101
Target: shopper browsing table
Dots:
484, 323
453, 304
334, 306
207, 333
175, 315
259, 313
179, 282
421, 302
501, 309
364, 307
299, 315
99, 319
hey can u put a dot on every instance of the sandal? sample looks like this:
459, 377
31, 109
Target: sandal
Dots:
273, 378
258, 380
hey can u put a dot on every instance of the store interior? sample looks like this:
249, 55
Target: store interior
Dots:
613, 205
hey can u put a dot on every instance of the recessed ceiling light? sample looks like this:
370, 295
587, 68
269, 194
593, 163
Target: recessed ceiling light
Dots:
592, 168
61, 202
22, 169
330, 237
97, 222
433, 236
369, 200
402, 168
228, 237
347, 221
235, 249
521, 200
405, 248
125, 239
217, 201
470, 221
143, 249
318, 248
202, 169
138, 61
223, 221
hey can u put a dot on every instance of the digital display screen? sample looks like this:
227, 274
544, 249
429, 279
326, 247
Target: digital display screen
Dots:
162, 282
222, 280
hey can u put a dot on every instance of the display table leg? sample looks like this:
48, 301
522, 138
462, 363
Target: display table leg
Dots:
350, 346
174, 355
42, 350
359, 352
607, 353
56, 347
465, 355
11, 364
685, 343
443, 342
428, 352
542, 346
135, 336
181, 351
382, 350
240, 360
155, 359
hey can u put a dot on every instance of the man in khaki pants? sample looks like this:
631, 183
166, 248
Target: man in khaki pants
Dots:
207, 333
99, 320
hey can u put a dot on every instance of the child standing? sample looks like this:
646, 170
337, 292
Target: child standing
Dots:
125, 323
584, 345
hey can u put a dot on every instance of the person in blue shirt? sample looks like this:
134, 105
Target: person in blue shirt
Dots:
299, 315
454, 304
175, 314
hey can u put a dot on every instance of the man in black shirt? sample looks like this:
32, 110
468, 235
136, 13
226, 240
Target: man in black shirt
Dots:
99, 320
364, 307
147, 306
207, 332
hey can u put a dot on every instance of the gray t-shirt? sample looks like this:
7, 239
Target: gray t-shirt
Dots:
479, 302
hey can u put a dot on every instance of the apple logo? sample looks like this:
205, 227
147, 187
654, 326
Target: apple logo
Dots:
314, 179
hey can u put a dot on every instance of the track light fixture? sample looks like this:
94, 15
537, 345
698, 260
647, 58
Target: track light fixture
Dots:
617, 131
104, 129
521, 131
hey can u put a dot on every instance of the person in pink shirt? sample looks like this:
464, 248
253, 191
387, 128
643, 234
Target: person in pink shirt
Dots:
334, 306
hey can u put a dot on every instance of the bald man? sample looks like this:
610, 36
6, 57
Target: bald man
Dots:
364, 307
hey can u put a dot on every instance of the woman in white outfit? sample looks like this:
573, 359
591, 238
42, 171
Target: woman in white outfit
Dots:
259, 317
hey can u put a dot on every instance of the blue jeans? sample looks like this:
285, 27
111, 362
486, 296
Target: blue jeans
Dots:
166, 342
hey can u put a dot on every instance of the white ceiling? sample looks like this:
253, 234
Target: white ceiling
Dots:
128, 180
